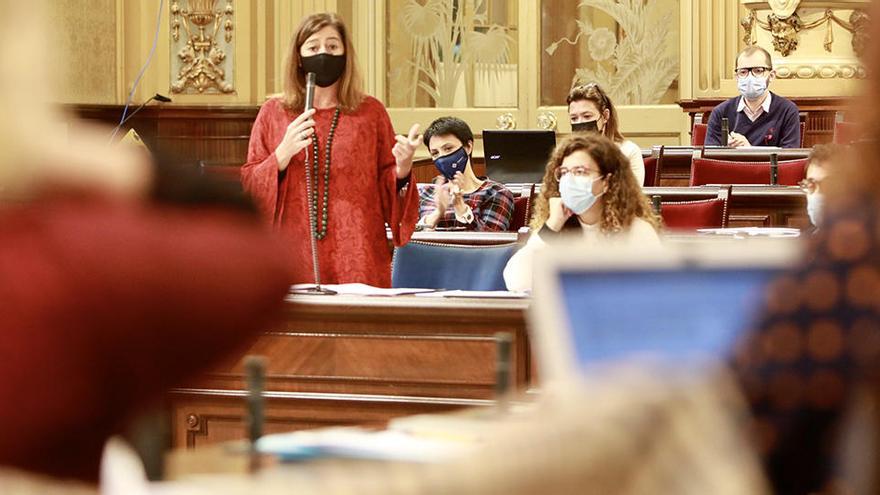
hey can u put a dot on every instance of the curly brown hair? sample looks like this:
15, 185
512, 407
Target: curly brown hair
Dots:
624, 199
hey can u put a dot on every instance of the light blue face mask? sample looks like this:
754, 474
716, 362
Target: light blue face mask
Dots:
577, 193
814, 208
752, 87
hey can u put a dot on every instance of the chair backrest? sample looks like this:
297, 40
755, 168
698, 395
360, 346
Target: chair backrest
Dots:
446, 266
654, 166
708, 171
700, 214
522, 208
845, 132
698, 134
803, 133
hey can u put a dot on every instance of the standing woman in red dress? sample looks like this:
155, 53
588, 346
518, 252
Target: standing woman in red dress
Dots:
360, 171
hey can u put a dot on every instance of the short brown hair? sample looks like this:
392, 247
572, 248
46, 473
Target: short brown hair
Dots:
624, 200
351, 92
824, 154
592, 92
751, 50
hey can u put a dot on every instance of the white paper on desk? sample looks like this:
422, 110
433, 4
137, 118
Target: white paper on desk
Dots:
754, 231
479, 294
358, 290
354, 443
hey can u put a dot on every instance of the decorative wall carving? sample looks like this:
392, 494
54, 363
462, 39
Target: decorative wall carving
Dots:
202, 56
631, 62
784, 30
820, 71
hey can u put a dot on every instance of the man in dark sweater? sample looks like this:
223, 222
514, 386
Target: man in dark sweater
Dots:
757, 117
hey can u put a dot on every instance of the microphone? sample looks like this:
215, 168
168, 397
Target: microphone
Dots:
156, 97
774, 169
311, 187
310, 91
725, 131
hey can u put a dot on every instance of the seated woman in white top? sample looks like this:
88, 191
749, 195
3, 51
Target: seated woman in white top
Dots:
589, 188
590, 110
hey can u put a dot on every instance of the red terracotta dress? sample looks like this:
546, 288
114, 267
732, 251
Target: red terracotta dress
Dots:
364, 194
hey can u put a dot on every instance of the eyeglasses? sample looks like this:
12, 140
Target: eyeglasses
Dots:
576, 171
743, 72
809, 185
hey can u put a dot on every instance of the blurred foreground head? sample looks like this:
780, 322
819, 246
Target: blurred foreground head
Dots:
38, 149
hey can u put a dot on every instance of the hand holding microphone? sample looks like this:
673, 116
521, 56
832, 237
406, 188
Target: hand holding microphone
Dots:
299, 132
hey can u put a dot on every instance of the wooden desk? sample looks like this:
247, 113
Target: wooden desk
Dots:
359, 360
750, 205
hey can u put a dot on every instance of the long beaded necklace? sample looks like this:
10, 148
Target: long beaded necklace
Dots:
312, 181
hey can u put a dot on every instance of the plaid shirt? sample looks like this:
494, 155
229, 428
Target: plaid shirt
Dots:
492, 206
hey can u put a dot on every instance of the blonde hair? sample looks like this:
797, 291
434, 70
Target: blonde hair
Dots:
351, 92
623, 201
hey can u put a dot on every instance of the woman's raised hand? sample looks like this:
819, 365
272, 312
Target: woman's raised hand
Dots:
297, 137
404, 150
559, 214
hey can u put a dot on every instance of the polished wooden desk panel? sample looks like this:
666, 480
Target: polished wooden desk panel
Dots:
750, 205
360, 360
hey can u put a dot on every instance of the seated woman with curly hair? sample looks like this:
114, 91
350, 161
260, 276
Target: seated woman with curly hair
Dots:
589, 188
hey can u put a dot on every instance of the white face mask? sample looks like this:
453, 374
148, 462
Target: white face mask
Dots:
752, 87
577, 193
814, 208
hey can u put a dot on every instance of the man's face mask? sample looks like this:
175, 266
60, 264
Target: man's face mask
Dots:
752, 86
454, 162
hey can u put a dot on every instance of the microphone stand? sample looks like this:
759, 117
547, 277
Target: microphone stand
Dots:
157, 97
313, 215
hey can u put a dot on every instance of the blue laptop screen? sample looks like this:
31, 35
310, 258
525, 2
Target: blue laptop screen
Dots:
671, 313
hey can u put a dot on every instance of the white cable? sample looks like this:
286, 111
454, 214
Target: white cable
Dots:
137, 80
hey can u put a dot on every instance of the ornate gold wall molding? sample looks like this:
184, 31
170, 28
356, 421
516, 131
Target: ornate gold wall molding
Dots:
785, 30
202, 46
820, 71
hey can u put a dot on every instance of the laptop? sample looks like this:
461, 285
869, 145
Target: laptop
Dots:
682, 304
514, 157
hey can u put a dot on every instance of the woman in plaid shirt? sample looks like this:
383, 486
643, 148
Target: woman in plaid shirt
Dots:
458, 198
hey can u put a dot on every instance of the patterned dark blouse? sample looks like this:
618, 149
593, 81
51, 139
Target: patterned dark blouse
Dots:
818, 339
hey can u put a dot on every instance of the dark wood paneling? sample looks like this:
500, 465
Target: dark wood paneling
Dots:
360, 360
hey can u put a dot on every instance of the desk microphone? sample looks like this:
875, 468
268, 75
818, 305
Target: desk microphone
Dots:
725, 131
311, 192
774, 169
156, 97
255, 371
656, 205
503, 344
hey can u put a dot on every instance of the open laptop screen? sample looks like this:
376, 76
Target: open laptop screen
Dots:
677, 314
517, 156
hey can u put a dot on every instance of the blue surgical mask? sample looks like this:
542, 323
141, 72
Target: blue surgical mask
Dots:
814, 208
577, 193
454, 162
752, 87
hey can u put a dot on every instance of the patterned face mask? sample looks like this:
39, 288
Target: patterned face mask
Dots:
454, 162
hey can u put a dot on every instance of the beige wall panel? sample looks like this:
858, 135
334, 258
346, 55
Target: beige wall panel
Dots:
84, 51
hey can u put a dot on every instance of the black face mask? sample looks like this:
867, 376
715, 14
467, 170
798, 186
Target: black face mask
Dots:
327, 68
591, 126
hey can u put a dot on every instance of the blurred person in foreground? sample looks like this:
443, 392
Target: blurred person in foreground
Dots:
822, 158
107, 299
817, 345
589, 189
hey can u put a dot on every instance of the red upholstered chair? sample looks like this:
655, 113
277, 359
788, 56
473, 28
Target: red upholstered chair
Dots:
522, 208
707, 171
700, 214
653, 166
845, 132
698, 134
803, 133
